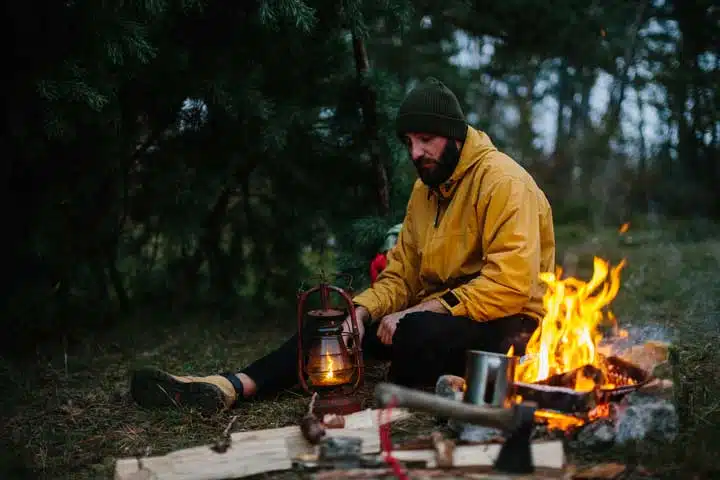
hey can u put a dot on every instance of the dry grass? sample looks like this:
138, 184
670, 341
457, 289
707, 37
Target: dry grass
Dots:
74, 419
71, 418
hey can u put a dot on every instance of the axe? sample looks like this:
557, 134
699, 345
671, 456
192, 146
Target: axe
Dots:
517, 422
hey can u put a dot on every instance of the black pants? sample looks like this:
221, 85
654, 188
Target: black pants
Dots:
425, 346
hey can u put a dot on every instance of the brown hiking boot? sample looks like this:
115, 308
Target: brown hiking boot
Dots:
153, 388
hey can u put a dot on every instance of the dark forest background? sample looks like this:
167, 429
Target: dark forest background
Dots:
188, 154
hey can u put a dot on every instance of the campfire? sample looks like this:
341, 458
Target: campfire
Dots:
567, 367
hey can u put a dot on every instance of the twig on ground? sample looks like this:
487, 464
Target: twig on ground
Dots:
311, 427
225, 440
229, 425
312, 403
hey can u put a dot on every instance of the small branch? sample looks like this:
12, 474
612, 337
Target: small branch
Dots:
225, 440
312, 404
311, 427
229, 425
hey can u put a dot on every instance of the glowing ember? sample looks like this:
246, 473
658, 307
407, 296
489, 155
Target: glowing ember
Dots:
569, 335
624, 227
558, 421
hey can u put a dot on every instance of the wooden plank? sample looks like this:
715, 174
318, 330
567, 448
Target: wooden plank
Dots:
250, 453
474, 473
545, 455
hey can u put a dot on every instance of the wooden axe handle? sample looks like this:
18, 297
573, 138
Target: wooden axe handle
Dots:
492, 417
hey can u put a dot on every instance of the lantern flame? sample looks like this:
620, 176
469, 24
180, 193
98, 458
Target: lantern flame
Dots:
330, 374
329, 363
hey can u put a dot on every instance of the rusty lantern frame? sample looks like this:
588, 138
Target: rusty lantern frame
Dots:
338, 399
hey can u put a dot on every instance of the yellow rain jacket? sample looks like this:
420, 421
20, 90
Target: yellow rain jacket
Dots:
477, 243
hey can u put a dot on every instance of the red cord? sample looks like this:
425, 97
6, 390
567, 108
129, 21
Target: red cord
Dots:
386, 441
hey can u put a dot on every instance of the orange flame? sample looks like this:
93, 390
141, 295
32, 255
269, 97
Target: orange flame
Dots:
568, 338
330, 374
624, 227
569, 335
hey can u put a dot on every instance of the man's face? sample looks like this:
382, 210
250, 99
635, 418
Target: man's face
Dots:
435, 158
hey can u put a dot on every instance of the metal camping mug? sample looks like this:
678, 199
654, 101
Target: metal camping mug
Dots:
489, 379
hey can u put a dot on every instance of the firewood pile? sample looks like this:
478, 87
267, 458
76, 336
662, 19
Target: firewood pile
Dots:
351, 446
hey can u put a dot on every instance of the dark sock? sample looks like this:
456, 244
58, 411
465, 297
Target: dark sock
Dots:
237, 384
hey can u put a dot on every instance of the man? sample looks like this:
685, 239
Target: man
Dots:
462, 275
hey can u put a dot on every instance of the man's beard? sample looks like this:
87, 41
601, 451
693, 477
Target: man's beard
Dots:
442, 169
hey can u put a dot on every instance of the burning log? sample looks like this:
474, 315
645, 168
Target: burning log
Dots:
583, 378
621, 373
583, 389
561, 399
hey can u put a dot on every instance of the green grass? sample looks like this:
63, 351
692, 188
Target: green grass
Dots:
70, 416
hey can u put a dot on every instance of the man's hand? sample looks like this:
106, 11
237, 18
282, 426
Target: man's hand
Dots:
361, 315
389, 323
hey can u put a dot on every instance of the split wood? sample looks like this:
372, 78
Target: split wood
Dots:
251, 453
474, 473
603, 471
545, 454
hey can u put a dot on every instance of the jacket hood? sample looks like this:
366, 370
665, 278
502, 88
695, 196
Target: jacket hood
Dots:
477, 145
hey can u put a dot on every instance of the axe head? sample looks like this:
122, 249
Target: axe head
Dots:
515, 456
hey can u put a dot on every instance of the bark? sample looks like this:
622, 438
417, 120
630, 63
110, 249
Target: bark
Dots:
368, 101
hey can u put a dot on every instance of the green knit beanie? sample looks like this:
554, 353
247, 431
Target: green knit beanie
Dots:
431, 108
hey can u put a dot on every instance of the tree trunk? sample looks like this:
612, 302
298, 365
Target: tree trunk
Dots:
563, 163
580, 131
117, 282
368, 101
602, 185
617, 93
526, 133
642, 180
588, 80
564, 94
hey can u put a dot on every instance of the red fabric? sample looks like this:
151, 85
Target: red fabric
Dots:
386, 441
377, 265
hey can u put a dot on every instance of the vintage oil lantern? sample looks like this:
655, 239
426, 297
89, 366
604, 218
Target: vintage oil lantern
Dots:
326, 364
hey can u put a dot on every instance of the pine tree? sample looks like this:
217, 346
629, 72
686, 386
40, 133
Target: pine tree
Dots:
211, 204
